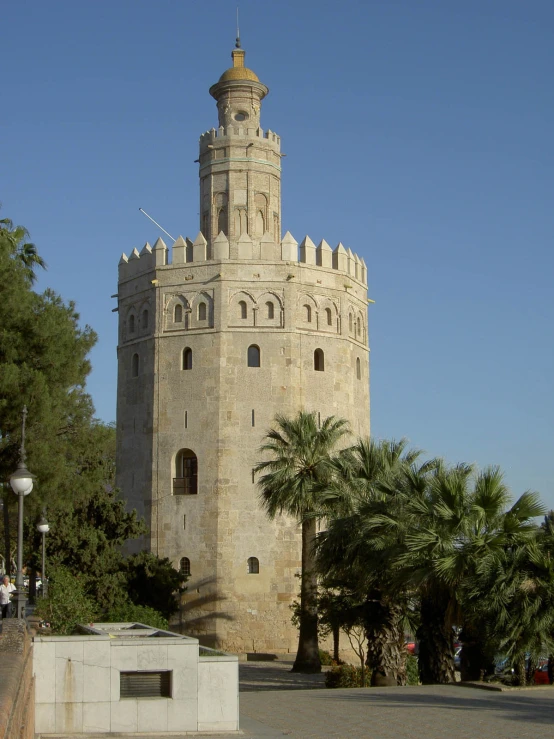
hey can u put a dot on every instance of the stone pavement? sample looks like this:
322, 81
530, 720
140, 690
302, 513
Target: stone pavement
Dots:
275, 702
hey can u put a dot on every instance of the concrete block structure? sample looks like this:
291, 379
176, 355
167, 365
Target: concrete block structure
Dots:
217, 334
130, 678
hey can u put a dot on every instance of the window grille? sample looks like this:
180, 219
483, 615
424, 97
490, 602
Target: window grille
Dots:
145, 684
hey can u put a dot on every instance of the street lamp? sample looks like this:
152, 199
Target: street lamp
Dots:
43, 528
22, 484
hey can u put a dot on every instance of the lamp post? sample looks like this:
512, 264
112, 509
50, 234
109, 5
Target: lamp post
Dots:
22, 484
44, 528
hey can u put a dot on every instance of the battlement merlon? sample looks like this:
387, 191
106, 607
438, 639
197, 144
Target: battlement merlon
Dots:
185, 251
220, 137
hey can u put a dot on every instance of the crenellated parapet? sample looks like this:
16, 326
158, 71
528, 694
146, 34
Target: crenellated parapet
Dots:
222, 134
184, 251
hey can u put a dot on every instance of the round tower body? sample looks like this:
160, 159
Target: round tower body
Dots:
237, 326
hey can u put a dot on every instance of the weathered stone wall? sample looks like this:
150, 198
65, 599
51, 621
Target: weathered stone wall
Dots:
17, 690
236, 285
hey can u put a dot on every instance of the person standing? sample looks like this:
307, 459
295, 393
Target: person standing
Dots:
6, 589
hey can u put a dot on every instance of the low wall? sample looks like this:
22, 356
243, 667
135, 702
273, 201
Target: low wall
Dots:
17, 696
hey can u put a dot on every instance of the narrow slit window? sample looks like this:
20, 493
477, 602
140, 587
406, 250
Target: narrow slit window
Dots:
319, 419
202, 312
329, 316
253, 356
186, 419
144, 319
178, 314
184, 522
253, 566
359, 326
358, 368
319, 361
135, 365
187, 358
253, 417
253, 476
307, 313
270, 310
350, 322
131, 324
243, 310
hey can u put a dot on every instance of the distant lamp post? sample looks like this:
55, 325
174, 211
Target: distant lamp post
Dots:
22, 483
44, 528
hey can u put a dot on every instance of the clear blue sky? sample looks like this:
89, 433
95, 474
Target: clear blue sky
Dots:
417, 132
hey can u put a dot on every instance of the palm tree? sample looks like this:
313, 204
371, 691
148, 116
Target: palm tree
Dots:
458, 522
26, 252
293, 482
358, 549
510, 597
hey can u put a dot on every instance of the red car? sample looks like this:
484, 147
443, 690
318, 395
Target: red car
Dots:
541, 674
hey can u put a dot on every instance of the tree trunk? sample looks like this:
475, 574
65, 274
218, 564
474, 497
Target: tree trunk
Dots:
475, 663
436, 641
386, 654
307, 656
520, 676
7, 543
336, 638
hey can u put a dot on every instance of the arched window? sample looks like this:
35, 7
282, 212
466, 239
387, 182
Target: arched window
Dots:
270, 309
185, 481
329, 316
358, 369
135, 365
350, 322
359, 326
131, 324
202, 312
243, 310
178, 314
319, 361
187, 358
144, 323
253, 356
253, 566
307, 313
184, 566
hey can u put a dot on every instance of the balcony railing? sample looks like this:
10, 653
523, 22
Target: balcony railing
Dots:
185, 485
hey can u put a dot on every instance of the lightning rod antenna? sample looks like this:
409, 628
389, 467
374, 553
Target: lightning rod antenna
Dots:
237, 43
157, 224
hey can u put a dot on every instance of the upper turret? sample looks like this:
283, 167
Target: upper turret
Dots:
239, 93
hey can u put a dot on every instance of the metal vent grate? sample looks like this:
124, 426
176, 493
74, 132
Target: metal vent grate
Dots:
145, 684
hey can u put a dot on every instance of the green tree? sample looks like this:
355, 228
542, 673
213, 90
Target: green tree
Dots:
293, 482
458, 520
15, 237
43, 365
357, 551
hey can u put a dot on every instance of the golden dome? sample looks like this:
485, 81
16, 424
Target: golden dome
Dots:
239, 73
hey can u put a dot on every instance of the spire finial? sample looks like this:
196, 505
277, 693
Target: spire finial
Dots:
237, 42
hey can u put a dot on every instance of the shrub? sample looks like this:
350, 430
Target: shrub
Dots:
346, 676
412, 671
325, 658
67, 604
142, 614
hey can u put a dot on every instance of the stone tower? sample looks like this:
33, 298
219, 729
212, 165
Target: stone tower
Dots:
216, 336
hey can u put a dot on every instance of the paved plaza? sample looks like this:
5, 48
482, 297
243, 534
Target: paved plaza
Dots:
275, 702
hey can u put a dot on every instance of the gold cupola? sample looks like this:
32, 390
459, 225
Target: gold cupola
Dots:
239, 93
